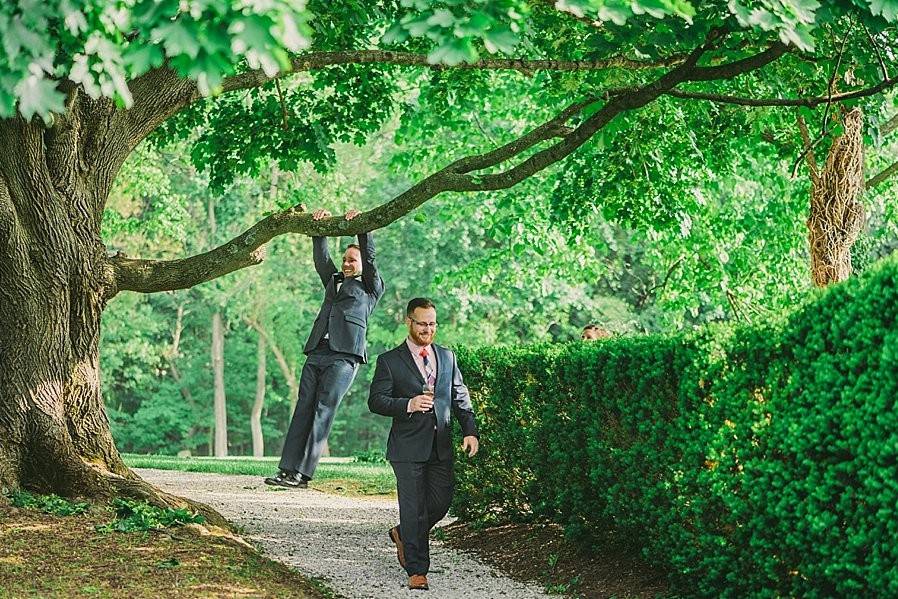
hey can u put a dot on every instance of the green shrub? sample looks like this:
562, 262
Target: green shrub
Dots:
50, 504
370, 456
139, 516
755, 461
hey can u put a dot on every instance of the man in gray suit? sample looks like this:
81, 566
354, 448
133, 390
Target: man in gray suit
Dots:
419, 385
335, 349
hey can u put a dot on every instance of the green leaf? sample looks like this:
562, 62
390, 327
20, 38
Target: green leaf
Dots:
178, 38
441, 18
616, 11
501, 40
888, 9
577, 8
803, 9
254, 31
452, 53
140, 59
396, 34
39, 96
799, 36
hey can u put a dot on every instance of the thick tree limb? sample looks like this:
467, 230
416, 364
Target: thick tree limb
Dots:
151, 275
889, 126
737, 67
626, 100
881, 176
317, 60
158, 94
161, 92
808, 102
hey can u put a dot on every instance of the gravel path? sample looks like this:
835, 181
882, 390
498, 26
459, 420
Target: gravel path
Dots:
341, 539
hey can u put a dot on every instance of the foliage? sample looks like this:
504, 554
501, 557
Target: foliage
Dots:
750, 461
372, 456
50, 504
102, 45
139, 516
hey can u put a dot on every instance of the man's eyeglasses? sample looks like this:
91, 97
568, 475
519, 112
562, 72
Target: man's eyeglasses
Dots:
432, 325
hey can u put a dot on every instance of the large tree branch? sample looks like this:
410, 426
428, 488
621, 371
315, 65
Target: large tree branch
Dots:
158, 94
808, 102
244, 250
881, 176
889, 126
737, 67
317, 60
625, 100
161, 92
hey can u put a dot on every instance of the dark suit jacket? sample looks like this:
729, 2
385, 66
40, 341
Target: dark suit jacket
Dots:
344, 315
396, 380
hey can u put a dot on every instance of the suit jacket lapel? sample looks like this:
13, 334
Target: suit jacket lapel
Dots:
410, 362
442, 362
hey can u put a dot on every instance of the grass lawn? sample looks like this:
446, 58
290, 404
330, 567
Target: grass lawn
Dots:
340, 476
45, 555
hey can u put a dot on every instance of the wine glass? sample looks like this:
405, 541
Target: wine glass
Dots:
427, 389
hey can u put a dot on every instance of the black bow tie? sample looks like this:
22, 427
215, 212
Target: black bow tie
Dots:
338, 277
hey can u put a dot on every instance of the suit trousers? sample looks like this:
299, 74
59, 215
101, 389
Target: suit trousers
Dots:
425, 492
325, 378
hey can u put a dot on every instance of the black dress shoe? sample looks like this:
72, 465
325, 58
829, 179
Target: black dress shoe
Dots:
287, 480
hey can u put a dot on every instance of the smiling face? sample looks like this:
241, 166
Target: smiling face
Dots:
422, 325
352, 262
592, 333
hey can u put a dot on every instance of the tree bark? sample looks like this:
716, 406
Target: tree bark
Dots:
255, 418
54, 283
220, 402
836, 214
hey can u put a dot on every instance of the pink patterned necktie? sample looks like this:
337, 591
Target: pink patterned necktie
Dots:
428, 369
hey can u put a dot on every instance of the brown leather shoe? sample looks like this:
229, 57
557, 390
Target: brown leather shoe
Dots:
418, 582
400, 548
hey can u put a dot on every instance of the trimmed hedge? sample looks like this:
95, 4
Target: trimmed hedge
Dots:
759, 461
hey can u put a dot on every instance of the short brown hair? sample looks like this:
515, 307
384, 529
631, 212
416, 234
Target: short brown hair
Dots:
354, 245
418, 302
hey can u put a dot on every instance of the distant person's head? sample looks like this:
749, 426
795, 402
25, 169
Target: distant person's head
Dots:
592, 332
421, 318
352, 261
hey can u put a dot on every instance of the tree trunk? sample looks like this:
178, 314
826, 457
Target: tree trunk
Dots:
172, 356
836, 214
54, 284
221, 412
54, 433
255, 418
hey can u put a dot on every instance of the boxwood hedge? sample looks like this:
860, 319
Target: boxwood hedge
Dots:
752, 461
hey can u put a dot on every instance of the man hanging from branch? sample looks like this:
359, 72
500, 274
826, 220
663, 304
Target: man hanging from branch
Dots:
335, 348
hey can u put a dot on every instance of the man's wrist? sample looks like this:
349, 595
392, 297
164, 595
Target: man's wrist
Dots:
408, 407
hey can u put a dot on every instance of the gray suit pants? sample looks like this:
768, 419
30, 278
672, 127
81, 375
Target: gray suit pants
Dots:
326, 376
425, 492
